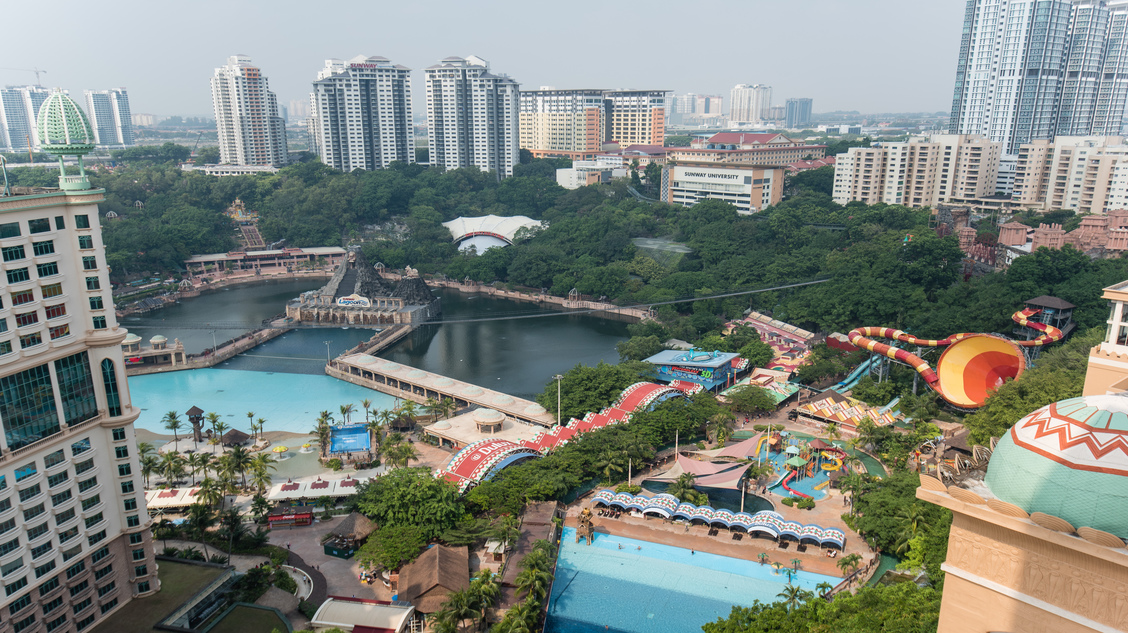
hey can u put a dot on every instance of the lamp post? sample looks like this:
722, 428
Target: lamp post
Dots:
213, 341
328, 359
558, 378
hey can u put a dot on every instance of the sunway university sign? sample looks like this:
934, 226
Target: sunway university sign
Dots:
354, 300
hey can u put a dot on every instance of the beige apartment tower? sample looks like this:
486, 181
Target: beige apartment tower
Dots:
562, 123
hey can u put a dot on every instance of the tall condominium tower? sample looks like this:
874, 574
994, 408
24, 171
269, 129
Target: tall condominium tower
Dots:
562, 123
109, 113
246, 116
637, 117
74, 531
472, 116
361, 114
19, 107
797, 112
1031, 69
750, 103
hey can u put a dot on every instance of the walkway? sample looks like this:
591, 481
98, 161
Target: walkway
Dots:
340, 577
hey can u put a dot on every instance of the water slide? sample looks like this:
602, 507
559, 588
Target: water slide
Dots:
837, 465
854, 377
760, 444
972, 366
892, 406
794, 493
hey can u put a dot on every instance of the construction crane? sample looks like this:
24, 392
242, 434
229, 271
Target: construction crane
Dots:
30, 70
197, 145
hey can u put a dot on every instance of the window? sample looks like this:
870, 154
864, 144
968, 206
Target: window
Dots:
60, 498
52, 290
39, 551
126, 487
85, 622
48, 607
136, 539
5, 504
96, 538
92, 283
44, 569
46, 247
59, 331
121, 452
56, 623
24, 319
54, 480
31, 340
138, 554
42, 225
54, 459
55, 311
15, 586
37, 531
82, 221
143, 587
31, 513
11, 567
25, 471
81, 447
20, 604
140, 570
96, 303
109, 605
72, 552
119, 434
20, 298
103, 572
49, 586
130, 504
5, 347
18, 275
91, 502
132, 521
10, 229
9, 547
90, 262
99, 555
94, 520
106, 589
48, 269
23, 624
62, 518
87, 484
99, 322
83, 466
124, 470
76, 387
7, 526
81, 605
13, 253
85, 242
60, 223
29, 493
3, 324
27, 406
75, 570
113, 398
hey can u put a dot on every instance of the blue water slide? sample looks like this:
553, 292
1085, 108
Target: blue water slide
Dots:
854, 376
892, 406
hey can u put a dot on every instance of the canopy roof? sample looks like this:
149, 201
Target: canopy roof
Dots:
741, 450
707, 474
796, 461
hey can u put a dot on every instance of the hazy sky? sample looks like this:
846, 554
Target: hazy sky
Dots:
866, 55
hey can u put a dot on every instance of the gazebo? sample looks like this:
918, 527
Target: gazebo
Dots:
346, 538
234, 437
196, 419
818, 444
796, 462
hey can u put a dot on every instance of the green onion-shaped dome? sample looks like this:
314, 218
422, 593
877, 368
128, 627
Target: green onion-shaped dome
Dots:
1070, 460
62, 126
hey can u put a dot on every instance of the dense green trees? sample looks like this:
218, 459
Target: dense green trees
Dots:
411, 497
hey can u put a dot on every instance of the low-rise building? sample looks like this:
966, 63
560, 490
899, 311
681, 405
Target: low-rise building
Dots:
747, 149
587, 172
288, 258
749, 188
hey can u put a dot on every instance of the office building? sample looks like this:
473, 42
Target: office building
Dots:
1033, 69
588, 172
362, 114
472, 116
749, 188
251, 132
919, 172
562, 123
19, 107
75, 543
797, 113
747, 148
637, 117
110, 117
750, 104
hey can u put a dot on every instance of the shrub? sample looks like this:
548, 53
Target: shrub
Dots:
701, 446
760, 427
285, 581
191, 553
634, 490
788, 501
335, 464
170, 551
307, 608
805, 504
219, 559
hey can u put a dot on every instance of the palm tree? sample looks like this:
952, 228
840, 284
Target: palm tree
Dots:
824, 588
443, 620
366, 404
373, 432
460, 605
172, 422
172, 467
791, 596
260, 507
850, 563
209, 494
251, 419
346, 412
218, 429
197, 463
149, 465
323, 432
763, 557
145, 448
200, 520
448, 407
796, 563
718, 425
683, 489
608, 462
533, 582
408, 410
261, 427
400, 454
261, 466
212, 418
232, 526
485, 590
240, 462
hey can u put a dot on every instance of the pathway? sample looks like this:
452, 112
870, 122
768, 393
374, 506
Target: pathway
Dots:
241, 562
341, 577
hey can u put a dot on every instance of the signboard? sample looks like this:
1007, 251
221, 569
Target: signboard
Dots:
354, 300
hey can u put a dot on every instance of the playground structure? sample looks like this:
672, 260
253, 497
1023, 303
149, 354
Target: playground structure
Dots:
813, 458
972, 366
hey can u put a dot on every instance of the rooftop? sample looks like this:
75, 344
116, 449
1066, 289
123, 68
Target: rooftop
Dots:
463, 429
692, 358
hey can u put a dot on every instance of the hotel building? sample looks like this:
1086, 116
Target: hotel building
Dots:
563, 123
251, 132
636, 117
361, 114
472, 116
75, 544
749, 188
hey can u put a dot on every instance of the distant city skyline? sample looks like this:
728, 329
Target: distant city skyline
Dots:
544, 47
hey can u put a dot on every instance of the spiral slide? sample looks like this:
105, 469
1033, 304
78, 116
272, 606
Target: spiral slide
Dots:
794, 493
971, 367
837, 465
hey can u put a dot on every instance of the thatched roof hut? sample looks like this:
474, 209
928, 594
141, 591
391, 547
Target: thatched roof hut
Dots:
438, 572
355, 527
234, 437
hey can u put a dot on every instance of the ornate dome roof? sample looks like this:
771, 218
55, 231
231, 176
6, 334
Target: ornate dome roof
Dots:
1070, 460
62, 126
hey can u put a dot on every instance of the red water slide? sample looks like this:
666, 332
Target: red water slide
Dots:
793, 492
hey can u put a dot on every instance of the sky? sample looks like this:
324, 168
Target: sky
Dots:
864, 55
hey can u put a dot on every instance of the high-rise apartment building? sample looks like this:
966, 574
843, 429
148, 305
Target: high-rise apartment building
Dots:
251, 132
1032, 69
563, 123
361, 114
110, 117
750, 103
637, 117
19, 107
472, 116
918, 172
75, 544
1087, 174
298, 110
797, 113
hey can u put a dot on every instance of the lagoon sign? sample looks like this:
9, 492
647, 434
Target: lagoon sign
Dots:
354, 300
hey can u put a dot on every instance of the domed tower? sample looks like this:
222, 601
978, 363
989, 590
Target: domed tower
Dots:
64, 130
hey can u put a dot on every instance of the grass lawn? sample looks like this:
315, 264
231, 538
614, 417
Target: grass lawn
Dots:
249, 620
178, 583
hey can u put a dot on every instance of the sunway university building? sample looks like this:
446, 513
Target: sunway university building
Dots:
747, 187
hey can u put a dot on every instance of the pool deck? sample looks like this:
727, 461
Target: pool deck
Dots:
826, 513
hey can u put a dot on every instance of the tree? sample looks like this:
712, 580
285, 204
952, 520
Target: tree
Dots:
323, 433
172, 467
683, 489
149, 465
763, 557
391, 547
750, 399
533, 581
200, 520
260, 507
239, 462
411, 497
260, 466
346, 412
758, 353
849, 563
366, 404
172, 422
609, 463
791, 596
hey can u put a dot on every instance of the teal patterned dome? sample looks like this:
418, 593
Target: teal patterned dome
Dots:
62, 126
1070, 460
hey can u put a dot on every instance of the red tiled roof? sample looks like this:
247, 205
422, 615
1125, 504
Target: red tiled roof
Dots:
739, 138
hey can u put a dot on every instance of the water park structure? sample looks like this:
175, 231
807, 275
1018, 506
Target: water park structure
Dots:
972, 365
707, 369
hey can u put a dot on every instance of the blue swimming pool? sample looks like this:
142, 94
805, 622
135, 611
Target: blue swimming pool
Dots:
656, 589
352, 438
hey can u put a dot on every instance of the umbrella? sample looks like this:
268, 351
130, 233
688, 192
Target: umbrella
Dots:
280, 449
792, 450
796, 462
306, 445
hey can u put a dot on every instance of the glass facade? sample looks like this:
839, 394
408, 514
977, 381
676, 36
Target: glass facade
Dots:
76, 387
27, 406
109, 380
